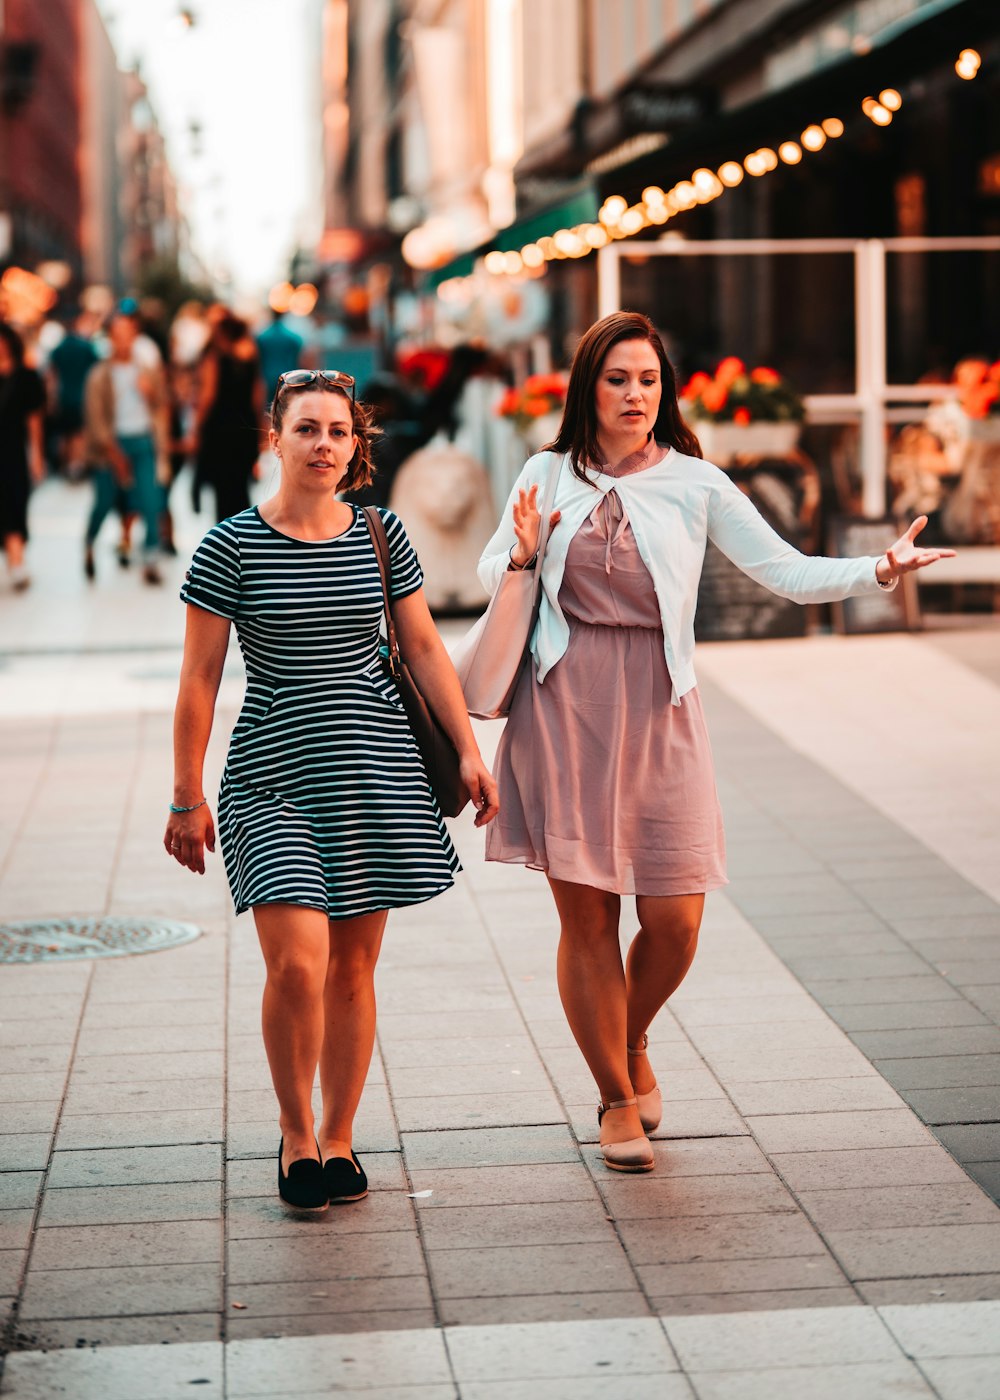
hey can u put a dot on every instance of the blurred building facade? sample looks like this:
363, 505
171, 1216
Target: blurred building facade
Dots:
84, 178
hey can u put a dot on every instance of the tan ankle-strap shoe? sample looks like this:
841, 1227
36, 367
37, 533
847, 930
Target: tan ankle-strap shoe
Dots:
650, 1104
634, 1155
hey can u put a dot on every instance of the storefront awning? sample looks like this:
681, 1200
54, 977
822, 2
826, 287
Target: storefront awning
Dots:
580, 207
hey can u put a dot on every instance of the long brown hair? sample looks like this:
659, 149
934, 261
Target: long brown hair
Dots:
361, 468
578, 429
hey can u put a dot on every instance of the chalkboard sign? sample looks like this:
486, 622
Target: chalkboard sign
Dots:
731, 606
897, 610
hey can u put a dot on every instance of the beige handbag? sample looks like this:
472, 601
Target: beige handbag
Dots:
490, 657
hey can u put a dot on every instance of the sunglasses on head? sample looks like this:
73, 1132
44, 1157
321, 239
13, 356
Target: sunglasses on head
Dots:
299, 378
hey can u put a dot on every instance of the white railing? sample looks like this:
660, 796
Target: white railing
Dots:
869, 404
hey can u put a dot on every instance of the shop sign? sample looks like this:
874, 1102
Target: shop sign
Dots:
848, 33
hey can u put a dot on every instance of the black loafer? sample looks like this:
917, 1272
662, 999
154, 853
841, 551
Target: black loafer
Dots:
304, 1187
345, 1180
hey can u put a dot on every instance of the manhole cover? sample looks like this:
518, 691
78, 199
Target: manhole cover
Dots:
56, 940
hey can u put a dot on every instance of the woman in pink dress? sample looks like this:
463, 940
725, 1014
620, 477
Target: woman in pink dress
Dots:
604, 768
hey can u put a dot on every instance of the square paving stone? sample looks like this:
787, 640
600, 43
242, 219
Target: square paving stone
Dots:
860, 1092
44, 1030
27, 1088
489, 1147
122, 1292
38, 1117
760, 1341
963, 1377
953, 1040
962, 1329
167, 1373
634, 1197
970, 1142
19, 1190
865, 965
265, 1217
136, 1166
323, 1255
119, 1205
148, 1129
499, 1272
942, 1071
165, 1094
546, 1307
127, 1331
741, 1275
912, 1251
913, 1016
872, 1208
859, 991
953, 1288
666, 1240
955, 1105
506, 1074
386, 1363
325, 1298
487, 1227
396, 1026
24, 1152
111, 1246
498, 1186
987, 1174
423, 1059
12, 1262
886, 1380
111, 1069
36, 1059
242, 1325
796, 1132
761, 1300
513, 1351
865, 1167
802, 1065
486, 1110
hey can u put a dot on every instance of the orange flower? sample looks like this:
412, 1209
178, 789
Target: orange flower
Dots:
763, 375
969, 373
714, 397
535, 407
695, 385
509, 404
978, 400
729, 369
994, 372
742, 416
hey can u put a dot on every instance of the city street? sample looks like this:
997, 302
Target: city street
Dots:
821, 1221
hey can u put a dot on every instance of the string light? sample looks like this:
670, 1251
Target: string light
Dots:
617, 219
967, 64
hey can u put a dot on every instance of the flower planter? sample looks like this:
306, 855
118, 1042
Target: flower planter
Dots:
720, 442
541, 430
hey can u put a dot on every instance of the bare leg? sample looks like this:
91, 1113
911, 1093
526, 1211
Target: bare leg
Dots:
14, 548
658, 961
349, 1008
592, 988
295, 943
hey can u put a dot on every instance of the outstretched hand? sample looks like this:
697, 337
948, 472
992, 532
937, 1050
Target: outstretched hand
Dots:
904, 556
528, 525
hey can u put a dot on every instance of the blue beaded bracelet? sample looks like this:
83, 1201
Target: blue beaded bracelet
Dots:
189, 809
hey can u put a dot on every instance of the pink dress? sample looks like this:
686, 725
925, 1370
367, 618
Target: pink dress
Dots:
602, 780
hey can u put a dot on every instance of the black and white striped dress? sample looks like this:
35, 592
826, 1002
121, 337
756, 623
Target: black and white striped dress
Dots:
324, 800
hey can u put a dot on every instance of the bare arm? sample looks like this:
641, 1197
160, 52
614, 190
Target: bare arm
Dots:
205, 643
435, 676
36, 446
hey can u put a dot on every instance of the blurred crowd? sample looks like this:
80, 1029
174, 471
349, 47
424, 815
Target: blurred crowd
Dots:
132, 401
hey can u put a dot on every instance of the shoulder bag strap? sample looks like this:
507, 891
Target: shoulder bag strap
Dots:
380, 544
548, 500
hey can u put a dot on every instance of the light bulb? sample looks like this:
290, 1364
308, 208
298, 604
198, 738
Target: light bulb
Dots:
512, 263
880, 115
790, 152
652, 195
495, 263
731, 173
532, 255
833, 127
890, 99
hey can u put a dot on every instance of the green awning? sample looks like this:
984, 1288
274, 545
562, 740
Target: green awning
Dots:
578, 208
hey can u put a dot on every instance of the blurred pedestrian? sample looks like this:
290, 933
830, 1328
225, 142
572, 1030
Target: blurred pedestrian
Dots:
229, 415
604, 768
280, 350
69, 364
127, 435
22, 449
326, 817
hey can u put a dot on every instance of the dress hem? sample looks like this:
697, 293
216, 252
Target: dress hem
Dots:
702, 885
355, 913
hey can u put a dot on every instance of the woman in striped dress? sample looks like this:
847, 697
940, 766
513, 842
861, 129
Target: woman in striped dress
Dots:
326, 818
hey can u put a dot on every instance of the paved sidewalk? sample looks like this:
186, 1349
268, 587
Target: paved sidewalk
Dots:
808, 1229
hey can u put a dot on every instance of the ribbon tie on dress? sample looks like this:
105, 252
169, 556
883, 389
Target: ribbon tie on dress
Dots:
611, 519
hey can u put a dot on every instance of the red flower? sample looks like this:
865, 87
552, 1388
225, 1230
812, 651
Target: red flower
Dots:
742, 416
535, 407
763, 375
729, 369
695, 385
509, 404
714, 397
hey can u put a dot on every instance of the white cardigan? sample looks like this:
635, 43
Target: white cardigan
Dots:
674, 508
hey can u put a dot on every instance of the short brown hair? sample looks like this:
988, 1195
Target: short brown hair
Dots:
578, 429
360, 469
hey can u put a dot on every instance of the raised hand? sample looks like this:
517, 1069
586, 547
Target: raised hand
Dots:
904, 556
528, 525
